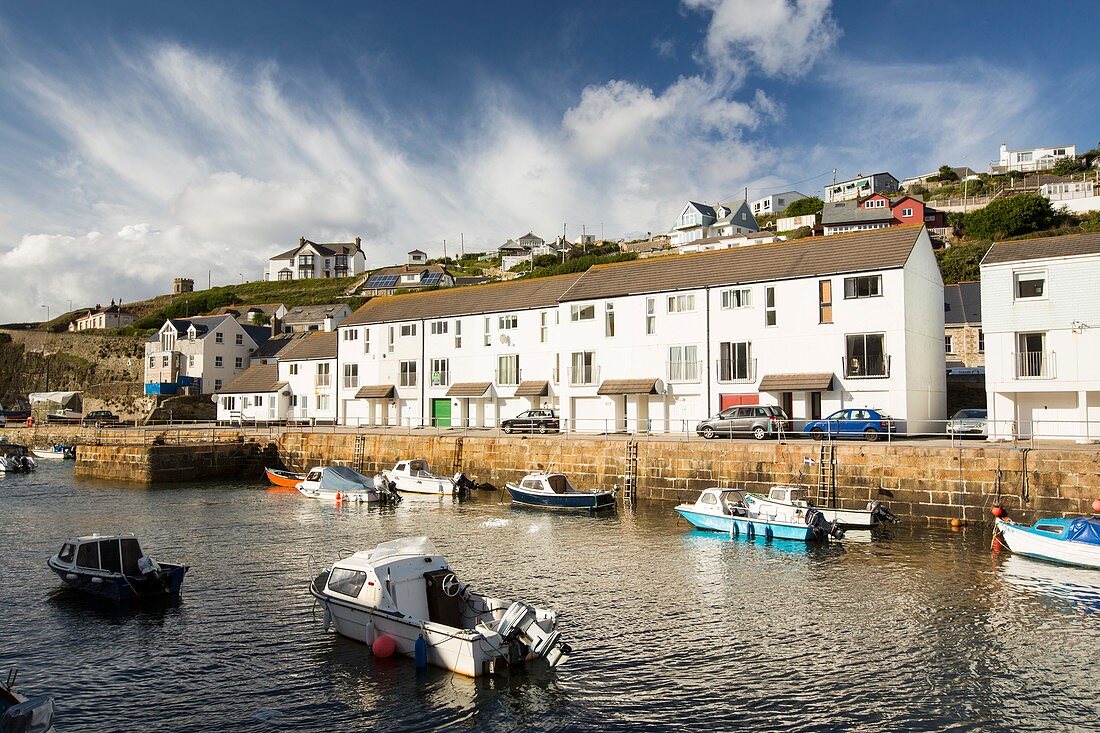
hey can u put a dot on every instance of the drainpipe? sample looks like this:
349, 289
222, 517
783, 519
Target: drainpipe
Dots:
423, 374
706, 300
339, 379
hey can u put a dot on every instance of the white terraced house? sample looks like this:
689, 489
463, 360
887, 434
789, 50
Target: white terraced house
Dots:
660, 344
203, 353
1041, 322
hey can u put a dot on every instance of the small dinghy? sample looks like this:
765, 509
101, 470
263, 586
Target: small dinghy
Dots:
342, 484
414, 477
553, 491
284, 479
58, 453
1070, 541
725, 510
19, 714
787, 502
115, 568
15, 458
405, 591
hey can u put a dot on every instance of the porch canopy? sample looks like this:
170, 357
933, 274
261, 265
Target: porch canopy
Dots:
810, 382
376, 392
469, 389
533, 389
627, 386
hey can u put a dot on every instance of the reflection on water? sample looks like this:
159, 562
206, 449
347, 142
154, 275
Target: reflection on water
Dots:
672, 627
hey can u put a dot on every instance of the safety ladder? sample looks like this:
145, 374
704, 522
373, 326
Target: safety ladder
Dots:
456, 459
359, 455
826, 475
287, 457
630, 477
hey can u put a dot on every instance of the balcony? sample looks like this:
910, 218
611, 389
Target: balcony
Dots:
322, 380
731, 371
583, 376
683, 371
872, 367
507, 377
1035, 364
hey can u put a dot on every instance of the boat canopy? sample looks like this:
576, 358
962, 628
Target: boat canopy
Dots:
402, 546
558, 483
342, 478
1084, 529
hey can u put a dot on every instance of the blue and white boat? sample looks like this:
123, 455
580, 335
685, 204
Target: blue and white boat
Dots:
725, 510
553, 491
1070, 541
114, 567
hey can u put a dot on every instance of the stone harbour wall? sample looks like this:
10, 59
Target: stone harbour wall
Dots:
154, 464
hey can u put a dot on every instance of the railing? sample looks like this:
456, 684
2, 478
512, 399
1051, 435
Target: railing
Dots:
322, 381
872, 367
507, 377
583, 376
1035, 364
683, 371
941, 232
732, 371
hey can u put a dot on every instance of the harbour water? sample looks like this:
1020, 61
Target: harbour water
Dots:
920, 629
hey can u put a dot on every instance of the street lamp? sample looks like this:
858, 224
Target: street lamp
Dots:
47, 313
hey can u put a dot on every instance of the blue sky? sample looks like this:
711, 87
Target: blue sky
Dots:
141, 141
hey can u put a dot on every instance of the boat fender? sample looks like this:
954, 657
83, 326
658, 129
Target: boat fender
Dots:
1096, 506
368, 632
997, 510
421, 651
384, 646
327, 621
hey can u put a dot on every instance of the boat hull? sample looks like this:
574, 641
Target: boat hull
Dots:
746, 526
49, 455
283, 479
121, 588
432, 486
579, 500
347, 497
1028, 542
845, 518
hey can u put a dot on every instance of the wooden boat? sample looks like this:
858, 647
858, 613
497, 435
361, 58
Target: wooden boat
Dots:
787, 502
553, 491
19, 713
114, 567
284, 479
1070, 541
725, 510
406, 591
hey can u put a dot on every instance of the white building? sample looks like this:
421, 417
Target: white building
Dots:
1031, 160
775, 203
256, 395
315, 317
1077, 196
710, 244
659, 344
790, 223
100, 317
699, 221
1041, 321
861, 186
203, 353
311, 259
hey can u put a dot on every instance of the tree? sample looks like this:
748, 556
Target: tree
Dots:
1068, 166
945, 174
1007, 217
959, 262
809, 205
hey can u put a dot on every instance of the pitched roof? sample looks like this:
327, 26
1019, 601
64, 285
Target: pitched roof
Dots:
311, 313
962, 304
811, 381
316, 345
542, 292
274, 345
403, 269
258, 378
259, 334
703, 208
1069, 245
879, 249
331, 248
844, 212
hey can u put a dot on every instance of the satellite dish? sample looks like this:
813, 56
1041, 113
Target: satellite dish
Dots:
504, 339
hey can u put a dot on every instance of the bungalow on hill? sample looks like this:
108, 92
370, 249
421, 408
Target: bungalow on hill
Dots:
877, 211
316, 260
100, 317
415, 274
859, 186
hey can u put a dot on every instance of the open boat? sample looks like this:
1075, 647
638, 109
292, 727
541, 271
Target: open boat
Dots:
19, 713
405, 590
343, 484
414, 477
284, 479
115, 568
57, 453
553, 491
787, 502
725, 510
1070, 541
15, 458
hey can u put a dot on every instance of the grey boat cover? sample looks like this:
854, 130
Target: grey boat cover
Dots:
33, 716
342, 478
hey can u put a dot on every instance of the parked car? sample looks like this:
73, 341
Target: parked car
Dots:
858, 422
532, 421
759, 421
970, 421
99, 418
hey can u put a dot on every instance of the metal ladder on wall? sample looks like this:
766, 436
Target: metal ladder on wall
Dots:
289, 459
630, 477
456, 460
826, 475
359, 453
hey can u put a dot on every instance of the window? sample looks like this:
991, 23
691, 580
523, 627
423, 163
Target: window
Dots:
164, 361
152, 362
507, 323
863, 286
346, 582
190, 360
737, 298
949, 344
1030, 284
824, 301
323, 375
544, 330
866, 355
322, 402
304, 402
240, 339
683, 364
408, 374
582, 369
681, 303
293, 368
408, 329
294, 400
981, 341
582, 312
259, 400
351, 375
1023, 157
508, 369
238, 362
1031, 358
458, 334
88, 556
1059, 151
770, 317
906, 212
218, 338
488, 339
389, 340
217, 361
439, 328
650, 316
441, 372
217, 384
229, 403
351, 334
609, 320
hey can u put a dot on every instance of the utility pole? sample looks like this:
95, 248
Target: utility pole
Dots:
444, 250
208, 279
461, 245
584, 242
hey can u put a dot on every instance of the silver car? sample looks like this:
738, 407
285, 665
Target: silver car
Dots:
970, 421
759, 421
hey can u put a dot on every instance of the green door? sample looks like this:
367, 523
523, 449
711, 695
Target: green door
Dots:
441, 413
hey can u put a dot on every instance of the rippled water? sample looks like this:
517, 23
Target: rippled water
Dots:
673, 628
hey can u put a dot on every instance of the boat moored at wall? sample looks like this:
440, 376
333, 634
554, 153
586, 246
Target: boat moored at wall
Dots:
725, 510
1070, 541
343, 484
553, 491
788, 502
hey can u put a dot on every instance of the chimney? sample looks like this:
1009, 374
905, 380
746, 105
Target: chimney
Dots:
301, 241
329, 325
358, 242
276, 327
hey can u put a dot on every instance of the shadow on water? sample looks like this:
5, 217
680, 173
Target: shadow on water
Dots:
82, 607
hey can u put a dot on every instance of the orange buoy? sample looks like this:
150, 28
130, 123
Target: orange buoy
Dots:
956, 523
998, 510
384, 646
1096, 506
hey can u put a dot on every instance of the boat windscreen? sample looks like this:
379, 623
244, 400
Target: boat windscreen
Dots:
131, 553
558, 483
403, 546
418, 468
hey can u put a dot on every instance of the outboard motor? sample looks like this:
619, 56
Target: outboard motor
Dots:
881, 513
28, 463
464, 485
392, 493
822, 527
520, 623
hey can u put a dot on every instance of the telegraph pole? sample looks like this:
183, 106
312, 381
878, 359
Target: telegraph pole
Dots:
444, 250
461, 245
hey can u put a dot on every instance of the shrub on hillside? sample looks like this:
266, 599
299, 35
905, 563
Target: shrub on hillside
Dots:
1028, 212
195, 305
959, 262
809, 205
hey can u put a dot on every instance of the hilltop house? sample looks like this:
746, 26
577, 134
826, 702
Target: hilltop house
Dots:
860, 186
100, 317
311, 259
698, 221
415, 274
877, 211
1031, 160
775, 203
202, 353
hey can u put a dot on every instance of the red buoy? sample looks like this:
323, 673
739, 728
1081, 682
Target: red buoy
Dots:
998, 510
1096, 506
384, 646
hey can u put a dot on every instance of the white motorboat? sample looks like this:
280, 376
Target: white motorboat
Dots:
342, 484
57, 453
727, 510
414, 477
405, 590
787, 502
1066, 540
15, 458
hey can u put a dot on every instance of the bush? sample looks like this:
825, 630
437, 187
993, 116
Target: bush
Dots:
801, 233
959, 262
1022, 214
945, 174
810, 205
580, 264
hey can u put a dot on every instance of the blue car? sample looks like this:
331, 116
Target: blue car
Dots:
857, 422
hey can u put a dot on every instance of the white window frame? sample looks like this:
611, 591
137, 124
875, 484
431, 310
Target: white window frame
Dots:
439, 328
323, 376
351, 334
855, 279
442, 368
771, 313
650, 316
458, 334
609, 320
508, 322
508, 376
219, 362
351, 375
407, 373
292, 369
681, 303
1019, 276
408, 330
582, 312
736, 299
